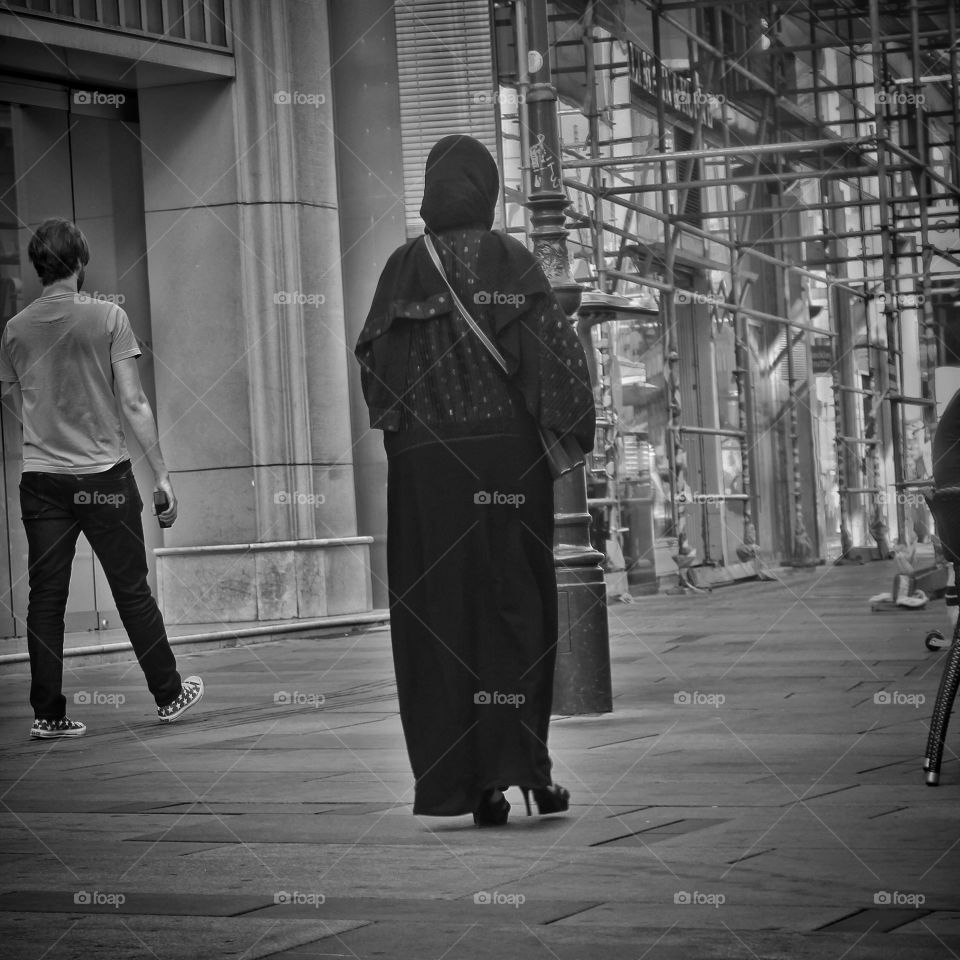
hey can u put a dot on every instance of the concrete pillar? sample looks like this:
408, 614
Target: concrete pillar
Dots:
366, 110
242, 224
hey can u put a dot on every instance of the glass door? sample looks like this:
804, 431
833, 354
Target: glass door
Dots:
60, 156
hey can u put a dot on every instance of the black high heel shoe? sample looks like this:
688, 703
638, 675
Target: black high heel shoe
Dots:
552, 799
490, 812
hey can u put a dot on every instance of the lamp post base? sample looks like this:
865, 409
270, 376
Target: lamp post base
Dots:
581, 682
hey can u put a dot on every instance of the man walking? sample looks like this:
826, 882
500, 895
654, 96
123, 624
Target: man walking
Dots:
71, 364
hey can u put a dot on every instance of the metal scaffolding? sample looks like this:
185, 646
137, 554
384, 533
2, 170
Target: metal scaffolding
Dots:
855, 113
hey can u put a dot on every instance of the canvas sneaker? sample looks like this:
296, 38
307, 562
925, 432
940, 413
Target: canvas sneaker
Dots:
53, 729
191, 692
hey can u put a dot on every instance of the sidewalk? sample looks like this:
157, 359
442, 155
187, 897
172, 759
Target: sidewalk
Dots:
748, 798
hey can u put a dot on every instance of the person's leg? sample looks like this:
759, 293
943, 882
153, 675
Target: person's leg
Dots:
109, 516
51, 543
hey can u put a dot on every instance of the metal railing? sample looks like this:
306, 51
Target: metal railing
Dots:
201, 23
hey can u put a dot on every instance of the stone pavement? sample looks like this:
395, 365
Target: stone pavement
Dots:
749, 797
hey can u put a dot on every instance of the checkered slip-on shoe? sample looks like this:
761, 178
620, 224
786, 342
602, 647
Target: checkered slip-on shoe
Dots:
53, 729
191, 692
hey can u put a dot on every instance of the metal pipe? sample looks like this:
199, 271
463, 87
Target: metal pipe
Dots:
712, 431
773, 178
879, 526
696, 231
747, 150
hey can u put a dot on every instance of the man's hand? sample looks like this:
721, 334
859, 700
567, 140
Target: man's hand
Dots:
170, 514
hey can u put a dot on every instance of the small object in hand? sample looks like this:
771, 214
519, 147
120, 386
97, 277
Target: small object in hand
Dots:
160, 504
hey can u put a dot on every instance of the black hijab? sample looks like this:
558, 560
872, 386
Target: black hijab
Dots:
461, 185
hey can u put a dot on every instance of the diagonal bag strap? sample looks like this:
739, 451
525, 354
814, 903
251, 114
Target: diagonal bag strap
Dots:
458, 303
562, 454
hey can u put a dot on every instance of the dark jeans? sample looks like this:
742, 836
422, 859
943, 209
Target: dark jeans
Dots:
105, 507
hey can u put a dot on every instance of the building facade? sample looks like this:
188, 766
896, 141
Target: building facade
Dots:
771, 282
194, 144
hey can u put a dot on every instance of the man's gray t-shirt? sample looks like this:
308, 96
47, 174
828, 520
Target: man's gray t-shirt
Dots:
61, 350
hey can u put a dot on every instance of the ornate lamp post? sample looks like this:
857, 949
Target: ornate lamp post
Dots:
582, 680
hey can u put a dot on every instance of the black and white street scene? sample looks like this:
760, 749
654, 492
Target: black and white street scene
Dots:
479, 479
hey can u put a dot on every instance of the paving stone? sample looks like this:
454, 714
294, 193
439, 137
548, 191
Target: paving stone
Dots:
798, 798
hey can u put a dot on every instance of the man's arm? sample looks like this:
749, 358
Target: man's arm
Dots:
139, 414
13, 398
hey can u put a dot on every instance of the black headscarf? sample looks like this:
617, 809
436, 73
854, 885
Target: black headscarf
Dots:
461, 185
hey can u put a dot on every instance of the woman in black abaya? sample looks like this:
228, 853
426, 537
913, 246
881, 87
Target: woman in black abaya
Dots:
473, 595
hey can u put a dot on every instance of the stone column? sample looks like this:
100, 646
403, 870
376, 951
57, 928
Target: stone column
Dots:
244, 253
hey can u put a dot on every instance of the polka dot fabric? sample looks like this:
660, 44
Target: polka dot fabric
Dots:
452, 379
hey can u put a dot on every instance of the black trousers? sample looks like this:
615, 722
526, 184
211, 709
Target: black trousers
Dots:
105, 508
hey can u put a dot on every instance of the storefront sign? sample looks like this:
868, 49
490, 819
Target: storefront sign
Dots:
677, 91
